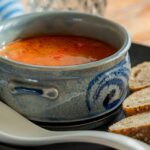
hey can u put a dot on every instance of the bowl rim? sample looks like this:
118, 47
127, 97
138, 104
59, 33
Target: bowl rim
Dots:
120, 52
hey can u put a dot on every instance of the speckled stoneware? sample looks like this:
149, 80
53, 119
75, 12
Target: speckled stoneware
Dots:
69, 93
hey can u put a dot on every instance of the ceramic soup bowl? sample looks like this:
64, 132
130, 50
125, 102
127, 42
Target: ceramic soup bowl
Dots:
68, 93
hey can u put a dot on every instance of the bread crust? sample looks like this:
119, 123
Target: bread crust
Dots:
131, 109
136, 84
141, 133
136, 110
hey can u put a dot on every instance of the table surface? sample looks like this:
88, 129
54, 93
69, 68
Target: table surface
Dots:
134, 15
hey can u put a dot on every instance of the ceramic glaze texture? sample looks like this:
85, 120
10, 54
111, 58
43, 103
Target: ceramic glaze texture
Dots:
81, 97
108, 88
70, 93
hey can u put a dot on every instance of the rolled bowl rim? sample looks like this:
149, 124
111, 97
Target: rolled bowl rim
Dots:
120, 52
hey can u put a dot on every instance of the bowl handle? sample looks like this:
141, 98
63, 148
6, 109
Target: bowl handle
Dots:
29, 88
49, 93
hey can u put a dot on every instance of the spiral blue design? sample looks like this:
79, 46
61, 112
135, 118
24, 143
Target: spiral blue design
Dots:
108, 87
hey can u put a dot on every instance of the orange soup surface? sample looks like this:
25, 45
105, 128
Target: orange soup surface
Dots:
56, 50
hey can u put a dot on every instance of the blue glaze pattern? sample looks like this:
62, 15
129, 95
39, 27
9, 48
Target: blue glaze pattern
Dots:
109, 87
24, 90
58, 94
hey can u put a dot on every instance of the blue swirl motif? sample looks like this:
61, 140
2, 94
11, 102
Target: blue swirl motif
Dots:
108, 88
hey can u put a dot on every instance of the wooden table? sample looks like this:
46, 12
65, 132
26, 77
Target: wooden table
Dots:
134, 15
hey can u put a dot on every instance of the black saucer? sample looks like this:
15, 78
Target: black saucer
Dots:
93, 123
138, 54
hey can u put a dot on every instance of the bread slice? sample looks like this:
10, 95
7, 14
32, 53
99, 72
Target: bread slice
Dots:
140, 76
137, 102
137, 126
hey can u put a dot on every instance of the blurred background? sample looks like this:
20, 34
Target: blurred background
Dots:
133, 14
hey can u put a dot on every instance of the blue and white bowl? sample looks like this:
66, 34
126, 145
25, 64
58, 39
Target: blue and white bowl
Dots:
69, 93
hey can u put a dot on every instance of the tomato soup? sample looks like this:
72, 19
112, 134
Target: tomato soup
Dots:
57, 50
